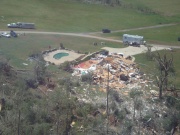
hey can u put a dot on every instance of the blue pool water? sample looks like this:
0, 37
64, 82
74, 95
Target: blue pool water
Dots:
60, 55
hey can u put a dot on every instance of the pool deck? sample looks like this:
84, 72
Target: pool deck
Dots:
72, 56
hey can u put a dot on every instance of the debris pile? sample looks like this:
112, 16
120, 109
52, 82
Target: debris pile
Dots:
118, 70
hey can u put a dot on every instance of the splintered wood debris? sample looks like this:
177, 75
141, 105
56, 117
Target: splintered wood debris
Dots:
122, 71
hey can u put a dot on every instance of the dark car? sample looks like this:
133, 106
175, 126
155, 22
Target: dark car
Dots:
13, 34
106, 31
178, 38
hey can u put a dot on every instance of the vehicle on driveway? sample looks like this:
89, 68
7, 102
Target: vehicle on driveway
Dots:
13, 34
133, 40
106, 31
5, 34
12, 25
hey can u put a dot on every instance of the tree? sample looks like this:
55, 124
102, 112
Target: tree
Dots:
134, 94
61, 46
40, 70
165, 66
87, 78
149, 54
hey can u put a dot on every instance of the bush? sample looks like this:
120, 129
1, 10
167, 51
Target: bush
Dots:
62, 81
120, 114
66, 66
31, 83
87, 78
76, 84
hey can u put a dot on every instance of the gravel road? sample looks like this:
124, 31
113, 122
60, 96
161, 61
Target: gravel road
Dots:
127, 51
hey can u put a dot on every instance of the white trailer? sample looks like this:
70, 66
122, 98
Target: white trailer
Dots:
133, 39
22, 25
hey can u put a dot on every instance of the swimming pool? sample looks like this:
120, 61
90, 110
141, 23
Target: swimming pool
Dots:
60, 55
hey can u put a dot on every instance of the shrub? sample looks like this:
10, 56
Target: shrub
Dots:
76, 84
120, 114
32, 83
87, 78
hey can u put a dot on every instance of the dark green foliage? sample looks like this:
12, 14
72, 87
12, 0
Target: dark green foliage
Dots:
171, 101
171, 121
40, 71
62, 46
66, 66
120, 114
31, 117
41, 129
87, 78
76, 84
135, 93
31, 83
128, 125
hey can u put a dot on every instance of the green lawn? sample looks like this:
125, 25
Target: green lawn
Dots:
163, 35
150, 66
18, 49
163, 7
68, 16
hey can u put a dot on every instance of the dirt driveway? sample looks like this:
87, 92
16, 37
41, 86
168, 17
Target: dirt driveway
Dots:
130, 50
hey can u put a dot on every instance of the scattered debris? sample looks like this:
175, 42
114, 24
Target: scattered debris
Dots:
25, 64
122, 71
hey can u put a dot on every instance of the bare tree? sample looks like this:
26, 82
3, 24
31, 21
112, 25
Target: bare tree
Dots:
165, 66
149, 54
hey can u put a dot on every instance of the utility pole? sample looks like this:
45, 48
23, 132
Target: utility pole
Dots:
19, 115
107, 105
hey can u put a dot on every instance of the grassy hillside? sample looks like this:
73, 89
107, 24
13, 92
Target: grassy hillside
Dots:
60, 15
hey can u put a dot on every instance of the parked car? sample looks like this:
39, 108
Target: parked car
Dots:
5, 34
106, 31
13, 34
178, 38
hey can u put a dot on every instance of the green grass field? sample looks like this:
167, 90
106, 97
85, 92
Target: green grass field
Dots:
18, 49
163, 35
162, 7
68, 16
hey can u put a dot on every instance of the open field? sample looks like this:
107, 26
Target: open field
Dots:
167, 35
163, 7
69, 16
150, 66
18, 49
